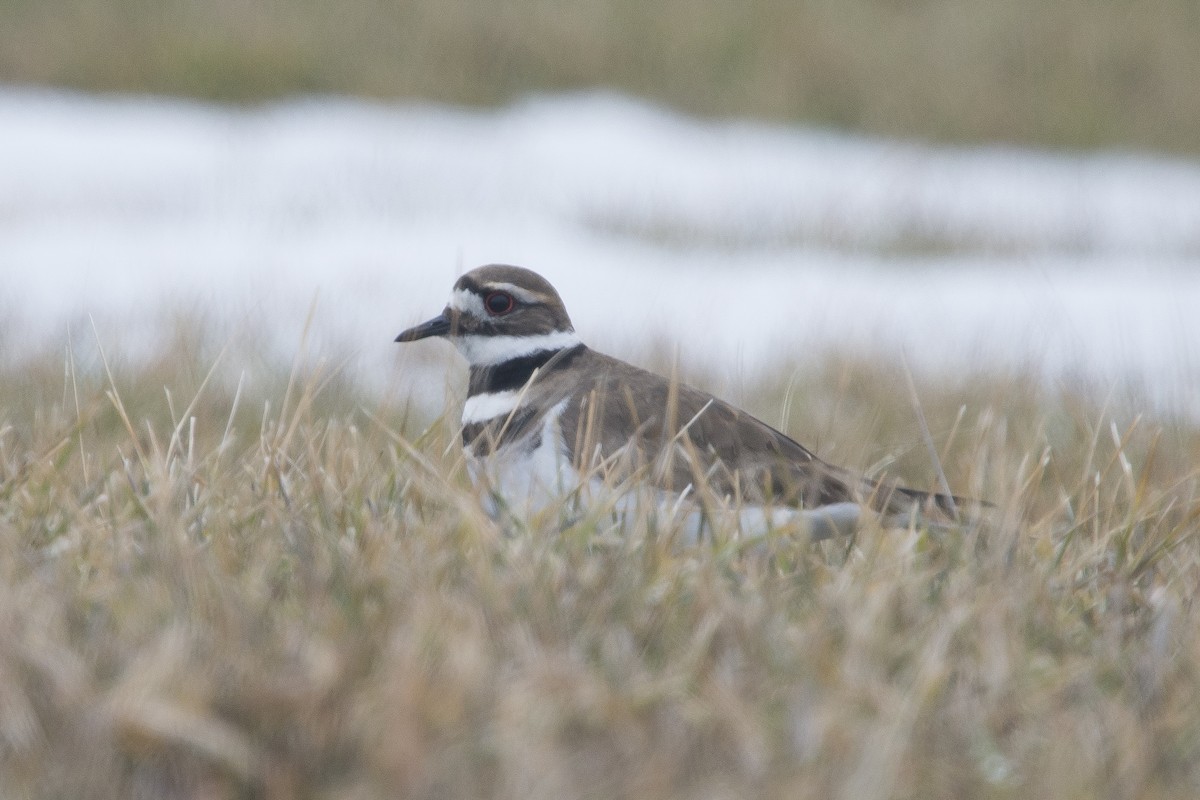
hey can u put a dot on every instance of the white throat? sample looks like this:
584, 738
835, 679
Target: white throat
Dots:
486, 351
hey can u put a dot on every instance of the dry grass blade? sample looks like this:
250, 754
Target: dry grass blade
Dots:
342, 620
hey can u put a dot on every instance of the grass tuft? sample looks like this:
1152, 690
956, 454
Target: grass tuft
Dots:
285, 588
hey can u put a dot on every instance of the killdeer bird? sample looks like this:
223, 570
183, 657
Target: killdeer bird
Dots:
551, 423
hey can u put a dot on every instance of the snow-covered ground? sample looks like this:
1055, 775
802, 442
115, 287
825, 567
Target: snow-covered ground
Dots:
735, 242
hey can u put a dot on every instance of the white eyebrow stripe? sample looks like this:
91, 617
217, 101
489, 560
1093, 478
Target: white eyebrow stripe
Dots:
483, 407
524, 295
485, 351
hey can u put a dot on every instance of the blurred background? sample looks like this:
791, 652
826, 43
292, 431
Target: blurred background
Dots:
1069, 75
964, 184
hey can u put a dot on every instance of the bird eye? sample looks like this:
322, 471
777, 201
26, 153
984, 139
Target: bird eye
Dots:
498, 303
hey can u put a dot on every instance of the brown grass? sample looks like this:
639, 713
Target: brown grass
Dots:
306, 601
1073, 73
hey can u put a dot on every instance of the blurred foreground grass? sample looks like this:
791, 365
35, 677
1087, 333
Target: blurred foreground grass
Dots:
290, 593
1072, 73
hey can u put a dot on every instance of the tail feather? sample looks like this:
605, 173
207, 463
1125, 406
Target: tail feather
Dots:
933, 506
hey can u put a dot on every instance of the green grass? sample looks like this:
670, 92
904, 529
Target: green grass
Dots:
1073, 73
294, 594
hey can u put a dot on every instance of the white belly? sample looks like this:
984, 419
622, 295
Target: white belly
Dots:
693, 522
530, 477
533, 483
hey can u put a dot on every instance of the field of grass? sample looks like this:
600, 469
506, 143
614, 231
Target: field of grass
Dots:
1072, 73
289, 591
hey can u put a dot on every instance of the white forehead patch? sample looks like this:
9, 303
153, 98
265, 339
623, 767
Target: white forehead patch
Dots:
466, 302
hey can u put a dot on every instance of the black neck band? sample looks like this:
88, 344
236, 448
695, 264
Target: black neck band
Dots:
516, 372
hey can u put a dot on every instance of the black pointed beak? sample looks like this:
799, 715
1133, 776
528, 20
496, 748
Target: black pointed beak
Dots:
438, 326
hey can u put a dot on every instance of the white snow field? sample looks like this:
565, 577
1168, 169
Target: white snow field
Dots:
734, 242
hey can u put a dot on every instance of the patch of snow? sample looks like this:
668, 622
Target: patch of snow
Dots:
735, 241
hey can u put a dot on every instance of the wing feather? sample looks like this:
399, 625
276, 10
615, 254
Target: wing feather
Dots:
688, 437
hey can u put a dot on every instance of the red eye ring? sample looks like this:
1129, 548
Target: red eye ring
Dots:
499, 303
